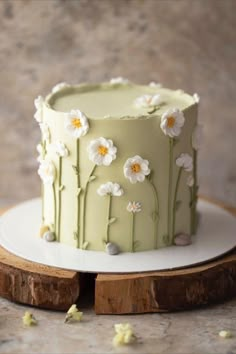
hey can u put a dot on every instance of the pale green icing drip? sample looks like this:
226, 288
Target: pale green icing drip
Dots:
106, 101
174, 208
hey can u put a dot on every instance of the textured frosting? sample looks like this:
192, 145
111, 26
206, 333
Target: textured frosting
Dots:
112, 114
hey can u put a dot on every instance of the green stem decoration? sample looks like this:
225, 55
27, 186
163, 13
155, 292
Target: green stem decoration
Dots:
192, 210
132, 231
109, 217
55, 208
90, 179
59, 200
78, 195
174, 205
43, 144
195, 191
169, 210
155, 215
42, 194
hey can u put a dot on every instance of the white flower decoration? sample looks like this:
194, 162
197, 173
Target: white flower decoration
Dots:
155, 84
47, 172
59, 87
59, 148
136, 169
40, 150
110, 188
185, 161
38, 102
147, 101
196, 98
134, 207
101, 151
119, 80
197, 136
45, 131
190, 181
76, 123
171, 122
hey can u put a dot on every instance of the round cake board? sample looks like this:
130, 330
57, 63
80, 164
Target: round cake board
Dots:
20, 227
49, 287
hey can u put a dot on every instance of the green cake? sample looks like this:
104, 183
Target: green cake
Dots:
118, 163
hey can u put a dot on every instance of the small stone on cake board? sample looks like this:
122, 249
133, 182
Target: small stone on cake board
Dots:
112, 249
182, 240
49, 236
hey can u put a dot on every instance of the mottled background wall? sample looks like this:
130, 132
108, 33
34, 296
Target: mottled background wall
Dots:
188, 44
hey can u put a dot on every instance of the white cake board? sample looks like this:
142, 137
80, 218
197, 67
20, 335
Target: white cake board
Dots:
19, 228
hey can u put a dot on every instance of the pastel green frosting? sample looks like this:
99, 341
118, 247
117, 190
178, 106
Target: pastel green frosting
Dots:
112, 115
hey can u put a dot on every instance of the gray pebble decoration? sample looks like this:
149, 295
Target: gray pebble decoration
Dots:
112, 249
49, 236
182, 240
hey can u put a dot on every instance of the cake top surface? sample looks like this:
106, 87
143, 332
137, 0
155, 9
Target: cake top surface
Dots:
107, 100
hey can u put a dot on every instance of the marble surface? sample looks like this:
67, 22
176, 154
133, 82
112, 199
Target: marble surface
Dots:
192, 332
183, 44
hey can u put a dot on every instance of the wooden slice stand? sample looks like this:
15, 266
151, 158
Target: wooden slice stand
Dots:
34, 284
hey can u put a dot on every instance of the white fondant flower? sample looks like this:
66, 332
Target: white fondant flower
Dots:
134, 207
136, 169
196, 98
59, 87
185, 161
76, 123
155, 84
147, 101
197, 136
45, 131
38, 102
111, 188
101, 151
40, 150
171, 122
47, 172
190, 181
59, 148
119, 80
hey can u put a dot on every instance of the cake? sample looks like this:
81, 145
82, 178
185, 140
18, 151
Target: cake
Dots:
118, 164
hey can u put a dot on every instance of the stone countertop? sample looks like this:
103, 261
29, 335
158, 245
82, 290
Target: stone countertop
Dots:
192, 332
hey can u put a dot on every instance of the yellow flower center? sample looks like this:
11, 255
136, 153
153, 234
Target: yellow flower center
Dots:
136, 167
76, 123
102, 150
170, 122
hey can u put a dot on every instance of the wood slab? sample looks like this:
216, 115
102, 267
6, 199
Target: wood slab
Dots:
167, 291
52, 288
35, 284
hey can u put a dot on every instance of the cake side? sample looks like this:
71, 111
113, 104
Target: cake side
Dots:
152, 197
